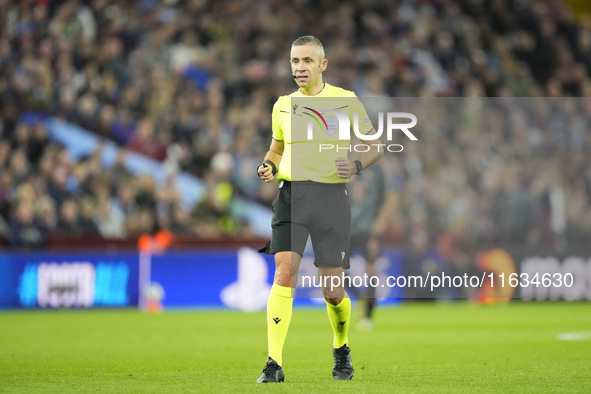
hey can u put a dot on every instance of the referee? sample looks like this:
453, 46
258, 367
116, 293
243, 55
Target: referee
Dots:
320, 207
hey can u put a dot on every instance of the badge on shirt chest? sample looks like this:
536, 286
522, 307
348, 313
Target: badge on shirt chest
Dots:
332, 125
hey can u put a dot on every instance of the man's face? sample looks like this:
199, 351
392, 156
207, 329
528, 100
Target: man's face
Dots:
307, 65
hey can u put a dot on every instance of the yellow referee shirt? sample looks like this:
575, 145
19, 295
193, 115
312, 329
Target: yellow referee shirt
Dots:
311, 135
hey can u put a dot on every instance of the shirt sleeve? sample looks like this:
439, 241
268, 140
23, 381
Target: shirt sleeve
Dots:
276, 122
365, 124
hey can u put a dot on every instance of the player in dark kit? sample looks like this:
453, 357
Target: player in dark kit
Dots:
312, 200
367, 194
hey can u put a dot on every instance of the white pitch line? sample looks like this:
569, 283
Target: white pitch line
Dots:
574, 336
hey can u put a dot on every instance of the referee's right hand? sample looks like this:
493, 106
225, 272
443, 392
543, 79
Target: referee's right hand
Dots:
265, 172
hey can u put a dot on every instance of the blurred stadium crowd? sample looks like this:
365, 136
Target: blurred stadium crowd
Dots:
192, 82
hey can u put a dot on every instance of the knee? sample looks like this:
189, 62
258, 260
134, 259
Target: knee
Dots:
282, 275
333, 296
285, 274
334, 301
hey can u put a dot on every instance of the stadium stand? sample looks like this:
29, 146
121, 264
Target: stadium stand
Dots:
192, 83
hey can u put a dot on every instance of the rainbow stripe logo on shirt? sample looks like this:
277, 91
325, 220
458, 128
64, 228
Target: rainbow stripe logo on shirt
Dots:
319, 119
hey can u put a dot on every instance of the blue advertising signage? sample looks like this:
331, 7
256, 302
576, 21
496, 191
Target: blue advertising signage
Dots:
68, 280
238, 279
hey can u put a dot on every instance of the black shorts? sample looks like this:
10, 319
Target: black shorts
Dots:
321, 210
360, 243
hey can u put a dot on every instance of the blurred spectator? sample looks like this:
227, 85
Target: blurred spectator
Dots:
127, 198
47, 214
25, 230
69, 218
516, 211
87, 224
108, 217
144, 141
181, 221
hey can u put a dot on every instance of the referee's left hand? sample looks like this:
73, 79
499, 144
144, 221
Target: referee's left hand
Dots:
265, 173
345, 169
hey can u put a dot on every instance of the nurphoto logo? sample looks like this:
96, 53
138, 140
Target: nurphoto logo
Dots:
342, 124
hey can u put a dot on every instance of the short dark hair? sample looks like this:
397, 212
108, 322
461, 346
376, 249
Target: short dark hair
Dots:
306, 40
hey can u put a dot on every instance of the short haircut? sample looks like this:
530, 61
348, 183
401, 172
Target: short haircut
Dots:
310, 40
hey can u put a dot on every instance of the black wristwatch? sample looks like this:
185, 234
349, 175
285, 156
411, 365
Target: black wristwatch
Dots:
359, 167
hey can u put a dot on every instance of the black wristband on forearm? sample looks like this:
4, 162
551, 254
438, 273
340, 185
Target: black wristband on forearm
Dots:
269, 163
273, 168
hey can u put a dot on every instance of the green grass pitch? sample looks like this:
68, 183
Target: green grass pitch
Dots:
415, 348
